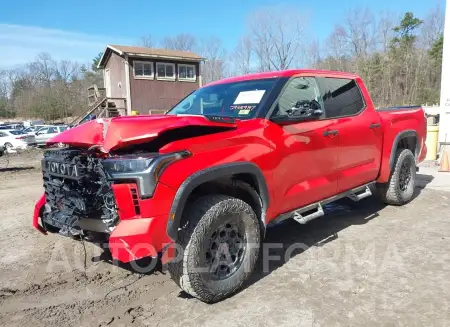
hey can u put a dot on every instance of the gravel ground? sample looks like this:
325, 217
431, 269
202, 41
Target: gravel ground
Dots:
364, 264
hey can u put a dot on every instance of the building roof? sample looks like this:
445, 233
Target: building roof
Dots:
148, 53
287, 73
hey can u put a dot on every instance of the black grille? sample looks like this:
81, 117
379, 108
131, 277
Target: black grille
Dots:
75, 187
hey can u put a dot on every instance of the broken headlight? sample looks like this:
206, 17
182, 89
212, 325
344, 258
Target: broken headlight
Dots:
145, 169
129, 163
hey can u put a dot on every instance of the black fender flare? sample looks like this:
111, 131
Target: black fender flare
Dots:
407, 133
207, 175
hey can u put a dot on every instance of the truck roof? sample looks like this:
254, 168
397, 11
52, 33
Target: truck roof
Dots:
286, 73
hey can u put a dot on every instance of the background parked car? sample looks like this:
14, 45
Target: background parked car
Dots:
17, 126
21, 135
10, 142
46, 133
33, 129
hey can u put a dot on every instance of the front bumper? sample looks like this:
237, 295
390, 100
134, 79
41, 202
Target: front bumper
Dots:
141, 230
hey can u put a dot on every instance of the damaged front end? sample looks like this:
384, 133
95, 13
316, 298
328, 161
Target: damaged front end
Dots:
78, 194
107, 198
106, 183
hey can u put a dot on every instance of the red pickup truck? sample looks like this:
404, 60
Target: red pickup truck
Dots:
231, 158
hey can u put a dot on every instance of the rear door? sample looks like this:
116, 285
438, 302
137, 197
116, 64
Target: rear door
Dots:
359, 131
306, 152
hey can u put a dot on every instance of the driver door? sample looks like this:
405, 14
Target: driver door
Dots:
306, 150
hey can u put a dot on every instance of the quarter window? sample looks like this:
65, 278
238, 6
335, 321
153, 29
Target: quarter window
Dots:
186, 72
165, 71
341, 97
143, 69
300, 92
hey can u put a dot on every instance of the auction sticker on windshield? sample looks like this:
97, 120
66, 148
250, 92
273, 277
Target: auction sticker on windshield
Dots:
246, 97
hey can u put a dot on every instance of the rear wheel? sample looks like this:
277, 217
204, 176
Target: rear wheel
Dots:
8, 146
219, 246
400, 187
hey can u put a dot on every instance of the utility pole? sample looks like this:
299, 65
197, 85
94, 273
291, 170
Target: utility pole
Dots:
444, 118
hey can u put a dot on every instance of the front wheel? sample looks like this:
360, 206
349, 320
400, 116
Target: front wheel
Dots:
8, 146
399, 189
218, 249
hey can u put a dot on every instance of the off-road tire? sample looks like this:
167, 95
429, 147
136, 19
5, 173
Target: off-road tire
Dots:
200, 219
391, 192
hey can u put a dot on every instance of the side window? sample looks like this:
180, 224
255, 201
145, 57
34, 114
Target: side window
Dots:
52, 130
3, 134
341, 97
300, 92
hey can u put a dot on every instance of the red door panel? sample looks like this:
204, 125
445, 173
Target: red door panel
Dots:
307, 163
360, 145
359, 129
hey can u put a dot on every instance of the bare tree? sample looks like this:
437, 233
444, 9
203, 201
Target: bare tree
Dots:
278, 36
146, 41
242, 55
182, 42
215, 66
432, 28
360, 32
67, 70
337, 48
314, 54
44, 68
385, 30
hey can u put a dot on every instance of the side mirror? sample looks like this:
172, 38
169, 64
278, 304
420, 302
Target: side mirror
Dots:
302, 111
290, 119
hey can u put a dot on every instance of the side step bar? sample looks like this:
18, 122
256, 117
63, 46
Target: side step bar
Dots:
315, 210
356, 196
301, 217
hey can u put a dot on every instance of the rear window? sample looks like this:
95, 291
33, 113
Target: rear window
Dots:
341, 97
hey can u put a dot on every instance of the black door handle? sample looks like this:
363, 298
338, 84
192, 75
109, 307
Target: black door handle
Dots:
331, 132
375, 125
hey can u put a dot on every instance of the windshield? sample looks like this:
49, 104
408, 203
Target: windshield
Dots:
238, 99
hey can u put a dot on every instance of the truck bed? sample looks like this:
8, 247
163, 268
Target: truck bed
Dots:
397, 122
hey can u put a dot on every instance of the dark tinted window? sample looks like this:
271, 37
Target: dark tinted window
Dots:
299, 91
341, 97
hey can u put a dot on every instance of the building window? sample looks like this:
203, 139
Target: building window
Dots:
143, 69
165, 71
186, 72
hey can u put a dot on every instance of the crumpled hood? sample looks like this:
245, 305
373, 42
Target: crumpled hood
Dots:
112, 133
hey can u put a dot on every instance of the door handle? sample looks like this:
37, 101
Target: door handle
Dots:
329, 132
375, 125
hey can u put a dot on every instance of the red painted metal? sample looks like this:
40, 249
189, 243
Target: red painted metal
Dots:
117, 132
300, 165
37, 213
138, 238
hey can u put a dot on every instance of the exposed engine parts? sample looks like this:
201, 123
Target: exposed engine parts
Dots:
77, 191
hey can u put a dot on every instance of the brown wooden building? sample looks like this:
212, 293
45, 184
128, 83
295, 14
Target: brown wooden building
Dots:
149, 80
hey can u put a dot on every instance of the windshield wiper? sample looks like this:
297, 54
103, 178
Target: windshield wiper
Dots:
221, 119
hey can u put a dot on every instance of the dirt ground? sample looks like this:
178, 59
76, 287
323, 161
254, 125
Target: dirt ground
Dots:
364, 264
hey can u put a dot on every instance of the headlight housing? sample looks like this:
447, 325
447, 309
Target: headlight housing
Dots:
129, 163
145, 169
